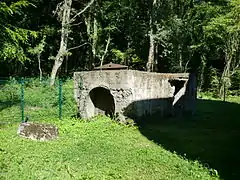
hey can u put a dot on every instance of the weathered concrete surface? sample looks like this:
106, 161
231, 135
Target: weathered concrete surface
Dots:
133, 93
35, 131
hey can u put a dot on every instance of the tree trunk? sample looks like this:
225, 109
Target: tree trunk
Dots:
66, 64
232, 62
202, 70
151, 54
92, 32
95, 39
156, 67
87, 20
127, 59
180, 59
106, 49
39, 67
64, 40
151, 57
225, 76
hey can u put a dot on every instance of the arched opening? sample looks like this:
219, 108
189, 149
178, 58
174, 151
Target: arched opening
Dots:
103, 101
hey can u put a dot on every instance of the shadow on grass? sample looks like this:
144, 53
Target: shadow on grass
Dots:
8, 104
211, 136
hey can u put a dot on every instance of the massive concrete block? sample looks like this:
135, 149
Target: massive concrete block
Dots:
133, 93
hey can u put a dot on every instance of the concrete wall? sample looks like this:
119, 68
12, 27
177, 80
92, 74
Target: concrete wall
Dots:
135, 93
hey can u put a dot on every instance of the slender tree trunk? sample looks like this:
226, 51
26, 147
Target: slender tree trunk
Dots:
225, 76
95, 38
64, 40
181, 63
66, 64
202, 70
92, 31
156, 58
39, 67
106, 50
127, 59
88, 19
151, 57
151, 53
231, 51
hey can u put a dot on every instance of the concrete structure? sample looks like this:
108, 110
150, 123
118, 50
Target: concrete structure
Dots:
133, 93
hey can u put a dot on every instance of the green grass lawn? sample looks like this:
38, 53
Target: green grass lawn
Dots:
187, 148
100, 149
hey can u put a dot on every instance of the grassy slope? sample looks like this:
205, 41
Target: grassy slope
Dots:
99, 149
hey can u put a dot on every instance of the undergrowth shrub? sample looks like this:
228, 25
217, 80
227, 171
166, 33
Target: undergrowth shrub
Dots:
10, 91
235, 84
69, 103
41, 96
232, 84
214, 81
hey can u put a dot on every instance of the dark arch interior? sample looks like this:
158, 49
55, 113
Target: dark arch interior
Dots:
103, 101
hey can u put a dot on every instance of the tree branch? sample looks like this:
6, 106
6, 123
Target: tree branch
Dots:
82, 11
76, 24
77, 46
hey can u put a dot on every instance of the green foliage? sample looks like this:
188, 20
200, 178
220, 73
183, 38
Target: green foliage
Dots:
120, 56
9, 91
13, 37
41, 96
235, 84
189, 36
129, 58
37, 50
69, 103
235, 79
214, 80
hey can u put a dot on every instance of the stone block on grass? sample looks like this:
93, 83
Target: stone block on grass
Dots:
36, 131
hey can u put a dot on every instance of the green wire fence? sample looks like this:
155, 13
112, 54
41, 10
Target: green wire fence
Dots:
22, 99
28, 99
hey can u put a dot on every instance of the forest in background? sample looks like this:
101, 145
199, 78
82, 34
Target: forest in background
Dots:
57, 37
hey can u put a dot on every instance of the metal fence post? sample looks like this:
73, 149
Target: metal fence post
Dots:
22, 99
60, 98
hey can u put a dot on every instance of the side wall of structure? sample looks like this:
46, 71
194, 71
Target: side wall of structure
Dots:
135, 93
